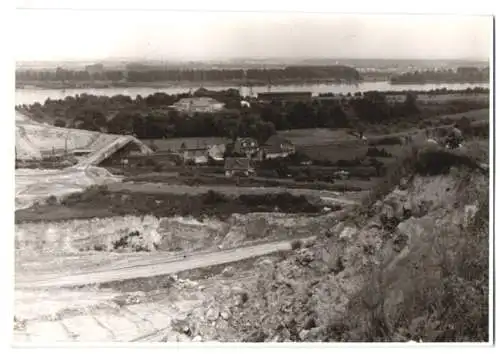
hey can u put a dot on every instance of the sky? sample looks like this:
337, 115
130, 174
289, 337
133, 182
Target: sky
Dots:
166, 35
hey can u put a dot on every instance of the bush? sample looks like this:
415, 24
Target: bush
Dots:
212, 197
435, 162
480, 130
150, 162
424, 124
268, 173
88, 194
349, 163
373, 151
60, 123
285, 202
296, 244
390, 140
52, 200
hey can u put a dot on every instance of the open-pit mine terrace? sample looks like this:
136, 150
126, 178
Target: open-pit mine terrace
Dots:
97, 276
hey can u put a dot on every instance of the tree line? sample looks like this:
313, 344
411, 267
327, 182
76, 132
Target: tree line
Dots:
151, 117
334, 72
462, 74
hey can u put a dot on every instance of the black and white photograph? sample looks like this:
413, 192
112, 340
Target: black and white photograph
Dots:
251, 177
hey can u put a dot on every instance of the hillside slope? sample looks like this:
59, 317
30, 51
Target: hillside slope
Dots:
412, 265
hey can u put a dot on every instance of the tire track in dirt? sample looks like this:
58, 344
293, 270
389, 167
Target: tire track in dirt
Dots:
151, 267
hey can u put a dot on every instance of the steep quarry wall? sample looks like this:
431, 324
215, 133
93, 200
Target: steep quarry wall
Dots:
150, 234
358, 280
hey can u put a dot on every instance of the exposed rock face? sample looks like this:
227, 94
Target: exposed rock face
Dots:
307, 296
149, 233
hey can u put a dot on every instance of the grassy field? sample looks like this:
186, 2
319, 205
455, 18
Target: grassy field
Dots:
174, 144
316, 136
475, 115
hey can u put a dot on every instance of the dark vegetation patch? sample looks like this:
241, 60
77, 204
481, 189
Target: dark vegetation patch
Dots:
374, 152
301, 181
97, 201
147, 119
389, 140
296, 244
430, 163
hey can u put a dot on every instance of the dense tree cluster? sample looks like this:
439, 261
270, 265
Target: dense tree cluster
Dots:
152, 117
461, 75
437, 91
335, 72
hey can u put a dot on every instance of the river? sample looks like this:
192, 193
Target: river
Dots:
32, 95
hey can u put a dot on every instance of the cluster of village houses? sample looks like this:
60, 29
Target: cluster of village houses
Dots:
245, 152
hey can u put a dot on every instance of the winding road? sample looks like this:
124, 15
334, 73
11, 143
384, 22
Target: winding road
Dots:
149, 266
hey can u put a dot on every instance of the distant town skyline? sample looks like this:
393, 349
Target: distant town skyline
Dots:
59, 35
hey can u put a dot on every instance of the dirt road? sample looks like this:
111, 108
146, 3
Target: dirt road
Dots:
149, 266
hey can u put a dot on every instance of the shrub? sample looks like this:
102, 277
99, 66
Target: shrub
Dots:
348, 163
150, 162
212, 197
301, 177
296, 244
60, 123
403, 166
373, 151
424, 124
481, 130
52, 200
88, 194
434, 162
390, 140
464, 124
268, 173
187, 173
244, 297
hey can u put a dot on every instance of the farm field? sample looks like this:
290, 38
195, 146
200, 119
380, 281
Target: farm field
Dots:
174, 144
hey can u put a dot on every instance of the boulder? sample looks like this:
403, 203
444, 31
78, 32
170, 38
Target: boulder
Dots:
470, 213
182, 326
225, 315
228, 272
377, 206
305, 256
303, 334
348, 232
313, 335
400, 241
265, 263
212, 314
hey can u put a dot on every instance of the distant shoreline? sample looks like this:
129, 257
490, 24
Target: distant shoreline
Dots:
51, 85
439, 82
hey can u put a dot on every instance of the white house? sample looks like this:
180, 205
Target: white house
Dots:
198, 104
